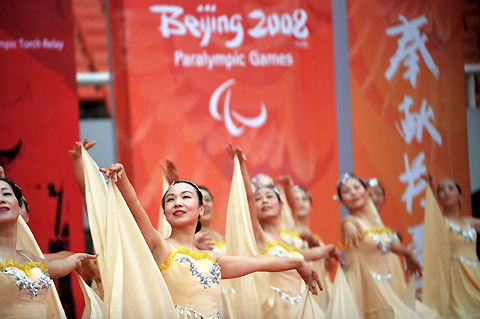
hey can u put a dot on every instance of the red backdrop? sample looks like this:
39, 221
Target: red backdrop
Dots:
39, 119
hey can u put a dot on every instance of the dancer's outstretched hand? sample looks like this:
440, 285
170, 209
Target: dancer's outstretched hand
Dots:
232, 151
203, 241
351, 233
114, 171
310, 277
337, 255
170, 170
76, 151
413, 266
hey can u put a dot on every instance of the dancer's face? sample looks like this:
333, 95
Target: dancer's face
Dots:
377, 196
208, 206
182, 205
353, 194
9, 207
304, 207
448, 194
267, 204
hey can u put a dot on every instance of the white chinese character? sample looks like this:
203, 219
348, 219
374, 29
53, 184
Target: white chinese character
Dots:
412, 177
414, 122
410, 41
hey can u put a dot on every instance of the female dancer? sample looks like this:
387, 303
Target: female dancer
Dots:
207, 238
193, 276
463, 271
24, 278
376, 192
265, 206
367, 246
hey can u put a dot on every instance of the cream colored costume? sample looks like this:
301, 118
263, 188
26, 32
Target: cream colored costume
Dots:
193, 279
23, 289
293, 238
369, 277
451, 283
26, 241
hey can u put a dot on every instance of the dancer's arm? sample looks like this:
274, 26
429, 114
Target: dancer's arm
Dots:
61, 267
237, 266
328, 250
310, 238
413, 266
287, 184
258, 232
475, 222
117, 174
76, 156
351, 232
170, 170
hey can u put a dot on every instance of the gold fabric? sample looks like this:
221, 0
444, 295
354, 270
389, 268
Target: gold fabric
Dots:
133, 284
26, 241
194, 281
451, 283
342, 305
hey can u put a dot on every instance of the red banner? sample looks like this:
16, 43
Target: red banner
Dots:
192, 76
39, 122
408, 102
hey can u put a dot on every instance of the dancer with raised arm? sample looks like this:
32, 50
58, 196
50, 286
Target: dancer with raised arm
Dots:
193, 276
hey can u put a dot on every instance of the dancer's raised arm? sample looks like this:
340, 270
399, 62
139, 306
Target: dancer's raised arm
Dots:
76, 156
116, 173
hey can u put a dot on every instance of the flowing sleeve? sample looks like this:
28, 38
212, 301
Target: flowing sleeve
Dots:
240, 241
342, 304
436, 257
133, 284
26, 241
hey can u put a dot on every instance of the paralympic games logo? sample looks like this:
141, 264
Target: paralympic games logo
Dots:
253, 122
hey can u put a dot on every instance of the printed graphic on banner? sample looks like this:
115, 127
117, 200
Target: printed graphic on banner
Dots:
405, 102
206, 73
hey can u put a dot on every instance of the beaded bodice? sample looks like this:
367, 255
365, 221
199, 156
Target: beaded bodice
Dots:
23, 289
193, 279
374, 247
287, 284
463, 241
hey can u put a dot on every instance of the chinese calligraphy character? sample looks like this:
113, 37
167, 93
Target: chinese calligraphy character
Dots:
414, 122
412, 177
410, 42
